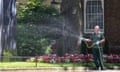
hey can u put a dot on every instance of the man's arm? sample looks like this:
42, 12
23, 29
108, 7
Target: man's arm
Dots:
103, 40
85, 39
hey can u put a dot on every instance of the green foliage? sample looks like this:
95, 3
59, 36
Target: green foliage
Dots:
32, 38
7, 53
48, 50
27, 10
30, 41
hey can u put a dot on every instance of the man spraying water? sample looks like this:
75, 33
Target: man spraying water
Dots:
97, 38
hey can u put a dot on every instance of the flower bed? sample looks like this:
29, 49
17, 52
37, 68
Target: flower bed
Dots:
53, 58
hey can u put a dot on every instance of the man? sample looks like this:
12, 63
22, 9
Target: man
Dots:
97, 38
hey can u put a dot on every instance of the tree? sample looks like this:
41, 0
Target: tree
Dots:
72, 12
7, 25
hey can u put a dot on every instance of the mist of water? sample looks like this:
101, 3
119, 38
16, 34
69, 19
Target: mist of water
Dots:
59, 31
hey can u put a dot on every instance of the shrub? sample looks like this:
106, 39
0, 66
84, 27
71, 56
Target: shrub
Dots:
7, 53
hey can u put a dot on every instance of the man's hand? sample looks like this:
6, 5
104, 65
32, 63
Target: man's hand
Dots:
97, 43
88, 40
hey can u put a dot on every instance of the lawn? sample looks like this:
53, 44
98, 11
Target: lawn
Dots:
33, 64
41, 64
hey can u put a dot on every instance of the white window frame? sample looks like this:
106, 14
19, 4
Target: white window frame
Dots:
85, 21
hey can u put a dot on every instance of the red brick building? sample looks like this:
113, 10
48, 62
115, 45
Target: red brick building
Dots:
111, 21
108, 15
112, 24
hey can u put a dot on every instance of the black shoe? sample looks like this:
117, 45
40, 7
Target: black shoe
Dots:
102, 68
97, 68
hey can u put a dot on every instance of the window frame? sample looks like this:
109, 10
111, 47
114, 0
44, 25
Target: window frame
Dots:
85, 17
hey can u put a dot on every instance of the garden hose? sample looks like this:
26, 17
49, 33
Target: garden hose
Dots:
98, 50
88, 45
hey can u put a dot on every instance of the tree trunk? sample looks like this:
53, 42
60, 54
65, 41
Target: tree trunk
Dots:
10, 23
7, 25
1, 27
72, 12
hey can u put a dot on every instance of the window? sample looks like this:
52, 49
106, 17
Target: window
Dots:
93, 15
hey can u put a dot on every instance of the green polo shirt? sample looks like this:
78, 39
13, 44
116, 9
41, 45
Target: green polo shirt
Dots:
97, 37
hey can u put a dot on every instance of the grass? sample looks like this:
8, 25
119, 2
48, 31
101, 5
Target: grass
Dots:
111, 65
33, 64
41, 64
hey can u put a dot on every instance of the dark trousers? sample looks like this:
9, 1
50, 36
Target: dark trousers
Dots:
98, 57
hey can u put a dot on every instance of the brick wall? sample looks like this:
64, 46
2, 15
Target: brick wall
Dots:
112, 24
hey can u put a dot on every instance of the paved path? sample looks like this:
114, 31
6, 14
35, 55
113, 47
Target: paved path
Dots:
55, 69
60, 71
